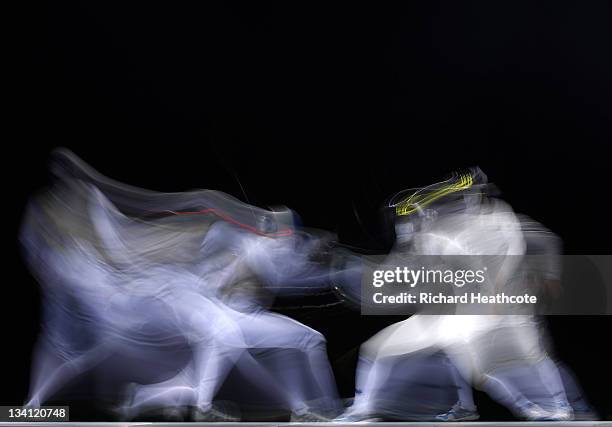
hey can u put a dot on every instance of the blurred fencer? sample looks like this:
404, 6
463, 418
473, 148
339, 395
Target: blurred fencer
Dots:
530, 374
238, 263
133, 272
115, 301
450, 219
284, 267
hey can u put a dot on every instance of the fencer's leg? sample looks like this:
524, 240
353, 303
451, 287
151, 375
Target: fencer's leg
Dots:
418, 333
216, 341
527, 340
510, 397
45, 360
373, 382
165, 397
464, 409
62, 372
174, 392
252, 369
292, 375
197, 384
364, 366
464, 389
316, 351
365, 376
273, 331
212, 365
503, 392
550, 376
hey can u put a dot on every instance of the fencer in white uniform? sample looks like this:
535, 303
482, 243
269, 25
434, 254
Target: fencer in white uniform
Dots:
451, 223
229, 287
115, 283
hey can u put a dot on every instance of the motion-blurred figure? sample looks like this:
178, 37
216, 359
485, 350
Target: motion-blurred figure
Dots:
486, 351
144, 274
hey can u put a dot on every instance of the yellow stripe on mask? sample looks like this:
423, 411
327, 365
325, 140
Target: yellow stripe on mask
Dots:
416, 201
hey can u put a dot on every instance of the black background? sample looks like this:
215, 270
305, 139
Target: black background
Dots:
327, 110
